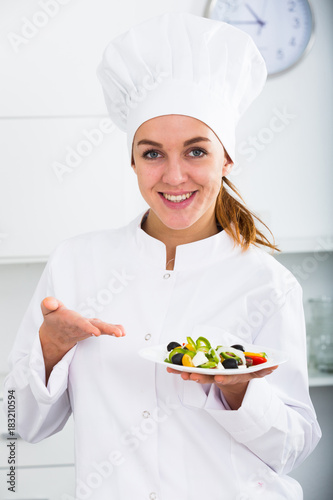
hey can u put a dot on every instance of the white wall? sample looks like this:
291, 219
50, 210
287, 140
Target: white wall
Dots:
289, 180
51, 99
43, 111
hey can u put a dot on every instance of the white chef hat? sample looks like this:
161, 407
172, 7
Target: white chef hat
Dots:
179, 63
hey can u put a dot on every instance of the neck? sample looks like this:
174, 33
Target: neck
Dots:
200, 230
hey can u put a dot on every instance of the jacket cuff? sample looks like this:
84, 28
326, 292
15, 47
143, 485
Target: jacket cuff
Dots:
57, 383
259, 409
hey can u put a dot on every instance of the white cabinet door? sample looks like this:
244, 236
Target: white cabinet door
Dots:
285, 147
43, 471
50, 50
50, 483
284, 142
55, 450
60, 178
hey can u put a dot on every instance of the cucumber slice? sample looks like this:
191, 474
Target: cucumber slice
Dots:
209, 364
203, 342
214, 355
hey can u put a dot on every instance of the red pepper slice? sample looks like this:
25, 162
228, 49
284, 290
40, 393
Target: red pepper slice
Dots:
257, 360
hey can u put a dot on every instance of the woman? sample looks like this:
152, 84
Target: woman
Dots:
189, 266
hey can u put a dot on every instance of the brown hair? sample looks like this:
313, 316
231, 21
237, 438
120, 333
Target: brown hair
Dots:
238, 221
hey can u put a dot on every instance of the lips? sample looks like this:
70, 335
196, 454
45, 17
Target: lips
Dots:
177, 200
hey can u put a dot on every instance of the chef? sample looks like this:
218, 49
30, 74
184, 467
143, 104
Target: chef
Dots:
191, 265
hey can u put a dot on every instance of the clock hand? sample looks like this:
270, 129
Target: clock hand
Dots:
243, 22
259, 21
246, 22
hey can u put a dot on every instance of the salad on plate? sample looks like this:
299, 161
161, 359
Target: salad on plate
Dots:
200, 354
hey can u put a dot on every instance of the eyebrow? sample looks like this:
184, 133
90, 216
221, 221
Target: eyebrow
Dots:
186, 143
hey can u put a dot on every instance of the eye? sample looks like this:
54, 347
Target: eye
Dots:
197, 153
151, 154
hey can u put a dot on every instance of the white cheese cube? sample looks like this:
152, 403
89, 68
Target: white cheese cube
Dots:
199, 359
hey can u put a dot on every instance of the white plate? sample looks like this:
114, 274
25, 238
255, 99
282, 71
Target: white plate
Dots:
158, 353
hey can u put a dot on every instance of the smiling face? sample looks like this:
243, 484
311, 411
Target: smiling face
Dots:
179, 162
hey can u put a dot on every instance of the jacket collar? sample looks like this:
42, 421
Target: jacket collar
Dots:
188, 256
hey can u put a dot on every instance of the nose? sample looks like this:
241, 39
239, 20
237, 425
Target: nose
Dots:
175, 172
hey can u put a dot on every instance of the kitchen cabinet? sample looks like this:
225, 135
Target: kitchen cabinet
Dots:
51, 52
62, 177
51, 48
53, 451
42, 483
286, 176
285, 149
44, 470
319, 379
315, 474
52, 97
284, 144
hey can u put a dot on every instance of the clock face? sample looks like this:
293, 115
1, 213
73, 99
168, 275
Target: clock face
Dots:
281, 29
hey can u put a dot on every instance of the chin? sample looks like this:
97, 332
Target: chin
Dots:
178, 224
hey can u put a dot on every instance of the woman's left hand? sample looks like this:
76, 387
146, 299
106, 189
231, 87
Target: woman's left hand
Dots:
233, 386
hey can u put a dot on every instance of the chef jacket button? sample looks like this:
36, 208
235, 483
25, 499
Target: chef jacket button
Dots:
145, 414
153, 496
166, 276
148, 336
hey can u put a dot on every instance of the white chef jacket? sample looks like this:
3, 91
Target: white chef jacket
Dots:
140, 432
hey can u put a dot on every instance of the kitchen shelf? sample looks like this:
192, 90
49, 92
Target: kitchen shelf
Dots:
30, 259
305, 245
319, 379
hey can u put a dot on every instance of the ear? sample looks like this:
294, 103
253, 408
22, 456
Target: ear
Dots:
227, 165
133, 162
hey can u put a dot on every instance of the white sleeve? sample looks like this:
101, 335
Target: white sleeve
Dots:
276, 420
41, 410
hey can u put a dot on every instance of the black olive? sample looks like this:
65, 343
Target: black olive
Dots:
229, 363
172, 346
239, 347
177, 358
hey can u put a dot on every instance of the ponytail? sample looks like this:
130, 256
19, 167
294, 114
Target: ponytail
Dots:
238, 221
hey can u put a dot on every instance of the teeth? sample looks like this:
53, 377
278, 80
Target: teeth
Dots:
177, 199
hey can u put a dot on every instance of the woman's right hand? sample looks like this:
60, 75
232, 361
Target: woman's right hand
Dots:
63, 328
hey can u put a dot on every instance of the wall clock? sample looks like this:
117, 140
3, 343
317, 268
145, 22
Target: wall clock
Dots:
281, 29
